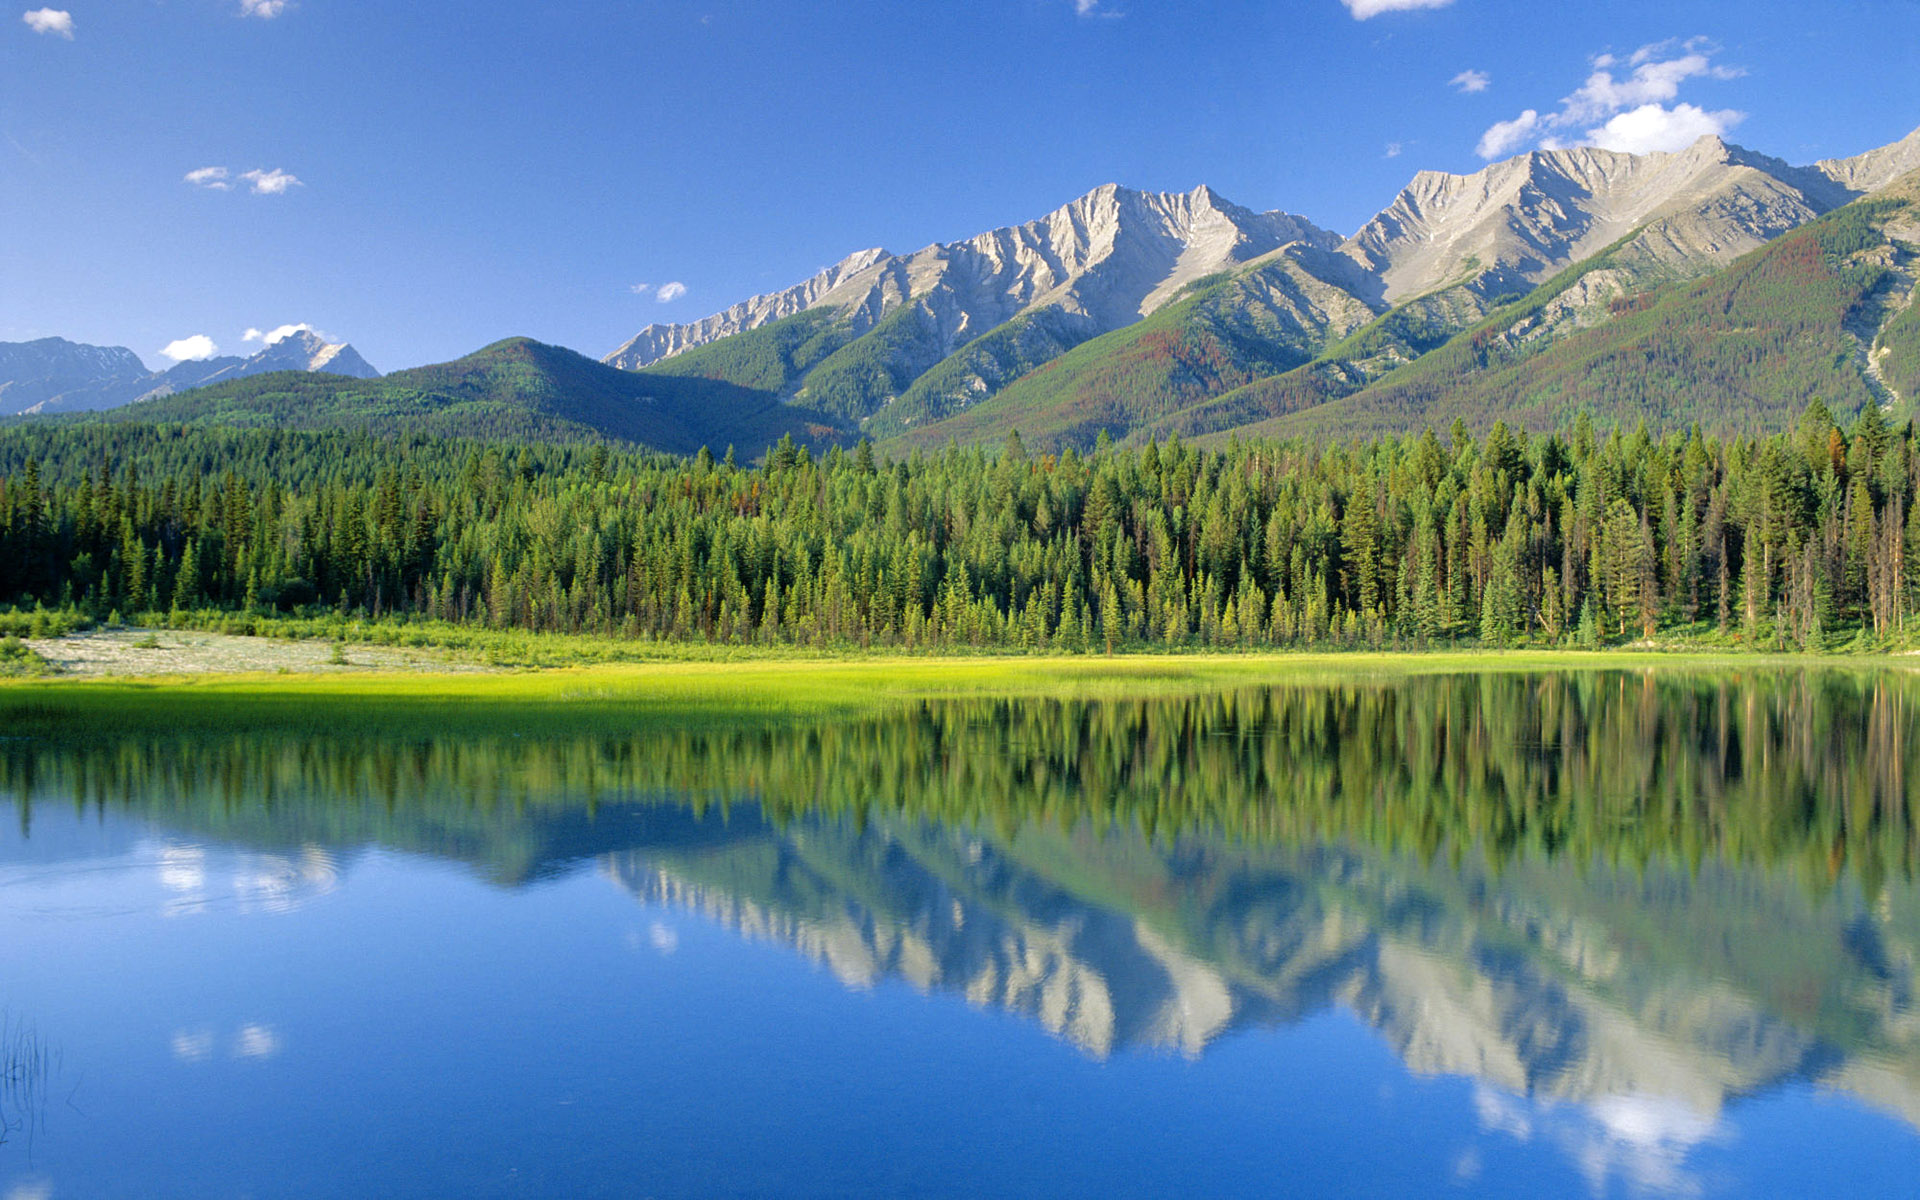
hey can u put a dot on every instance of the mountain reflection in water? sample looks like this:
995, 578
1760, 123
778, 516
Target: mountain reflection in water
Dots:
1647, 893
1601, 984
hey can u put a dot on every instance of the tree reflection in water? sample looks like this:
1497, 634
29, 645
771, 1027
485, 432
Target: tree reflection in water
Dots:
1640, 893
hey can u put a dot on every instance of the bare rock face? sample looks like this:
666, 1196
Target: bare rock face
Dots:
1105, 260
1519, 222
1453, 247
838, 285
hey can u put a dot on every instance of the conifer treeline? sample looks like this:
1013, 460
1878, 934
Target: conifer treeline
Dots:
1799, 539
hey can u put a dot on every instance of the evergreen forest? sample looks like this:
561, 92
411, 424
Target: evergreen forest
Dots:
1796, 540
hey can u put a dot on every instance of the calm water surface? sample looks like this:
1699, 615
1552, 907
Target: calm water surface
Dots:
1601, 934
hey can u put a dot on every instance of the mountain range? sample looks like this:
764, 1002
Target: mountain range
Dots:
1137, 313
1712, 284
53, 375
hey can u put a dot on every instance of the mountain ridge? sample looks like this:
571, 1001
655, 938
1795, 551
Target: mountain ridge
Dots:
1097, 264
899, 345
1797, 320
53, 375
515, 387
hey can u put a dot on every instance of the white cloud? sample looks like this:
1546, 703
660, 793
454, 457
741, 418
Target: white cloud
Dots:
1635, 112
190, 349
640, 289
1471, 81
671, 291
271, 183
1363, 9
1651, 129
266, 10
281, 334
50, 20
1651, 82
256, 1041
1504, 136
261, 183
193, 1046
1393, 149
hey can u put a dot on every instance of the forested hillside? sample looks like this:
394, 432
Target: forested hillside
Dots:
1228, 330
1798, 539
773, 358
1744, 349
517, 388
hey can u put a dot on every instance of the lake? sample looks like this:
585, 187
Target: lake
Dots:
1627, 932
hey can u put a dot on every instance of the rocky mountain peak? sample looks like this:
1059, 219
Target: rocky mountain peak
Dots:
306, 350
1521, 220
1104, 260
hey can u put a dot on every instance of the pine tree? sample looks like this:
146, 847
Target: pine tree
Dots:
186, 584
1360, 546
133, 568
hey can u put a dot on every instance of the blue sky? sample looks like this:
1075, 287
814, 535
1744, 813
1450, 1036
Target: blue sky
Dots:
425, 178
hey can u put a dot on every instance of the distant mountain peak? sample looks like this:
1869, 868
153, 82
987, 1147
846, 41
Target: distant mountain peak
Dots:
300, 350
56, 375
35, 376
306, 350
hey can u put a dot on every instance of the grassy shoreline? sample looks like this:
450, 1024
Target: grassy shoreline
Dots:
631, 695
